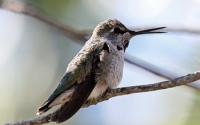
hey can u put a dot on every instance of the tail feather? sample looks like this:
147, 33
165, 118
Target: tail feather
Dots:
54, 116
42, 109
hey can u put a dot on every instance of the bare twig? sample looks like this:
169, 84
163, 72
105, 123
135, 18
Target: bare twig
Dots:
35, 121
35, 12
41, 15
122, 91
154, 69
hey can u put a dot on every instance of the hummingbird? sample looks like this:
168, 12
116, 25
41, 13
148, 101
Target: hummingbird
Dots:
96, 68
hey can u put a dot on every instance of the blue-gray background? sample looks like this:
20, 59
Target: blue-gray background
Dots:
34, 57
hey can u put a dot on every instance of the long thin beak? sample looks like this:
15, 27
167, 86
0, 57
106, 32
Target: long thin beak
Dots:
149, 31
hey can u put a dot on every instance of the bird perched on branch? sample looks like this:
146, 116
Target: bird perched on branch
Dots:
97, 67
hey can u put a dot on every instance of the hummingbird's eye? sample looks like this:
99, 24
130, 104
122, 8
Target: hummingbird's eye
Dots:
117, 30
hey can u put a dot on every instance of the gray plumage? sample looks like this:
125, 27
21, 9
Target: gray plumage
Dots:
97, 67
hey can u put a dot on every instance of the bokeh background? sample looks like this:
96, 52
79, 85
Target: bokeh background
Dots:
34, 57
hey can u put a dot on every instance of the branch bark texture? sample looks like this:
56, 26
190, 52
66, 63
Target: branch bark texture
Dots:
121, 91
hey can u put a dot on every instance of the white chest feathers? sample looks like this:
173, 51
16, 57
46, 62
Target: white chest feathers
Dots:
111, 71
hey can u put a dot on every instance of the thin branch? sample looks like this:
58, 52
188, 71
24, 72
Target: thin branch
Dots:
41, 15
36, 12
122, 91
155, 70
35, 121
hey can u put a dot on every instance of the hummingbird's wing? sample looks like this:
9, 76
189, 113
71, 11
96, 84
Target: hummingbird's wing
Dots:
80, 73
78, 98
64, 85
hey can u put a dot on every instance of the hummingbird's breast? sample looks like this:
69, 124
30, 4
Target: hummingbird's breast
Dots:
110, 72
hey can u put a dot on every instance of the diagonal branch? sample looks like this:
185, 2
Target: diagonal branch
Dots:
39, 14
155, 70
122, 91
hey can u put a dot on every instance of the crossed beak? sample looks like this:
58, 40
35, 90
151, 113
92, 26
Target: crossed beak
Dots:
148, 31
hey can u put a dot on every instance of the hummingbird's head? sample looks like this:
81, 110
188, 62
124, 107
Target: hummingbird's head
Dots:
115, 32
